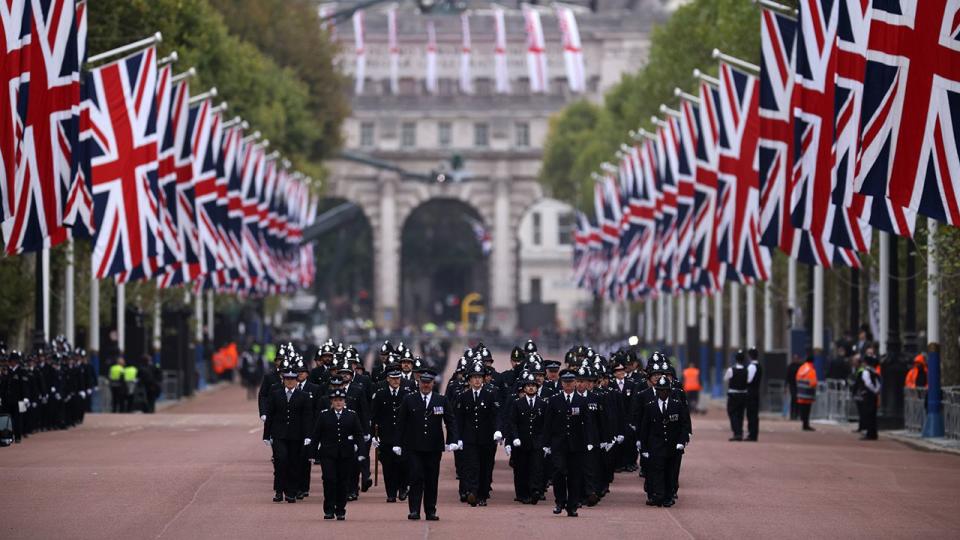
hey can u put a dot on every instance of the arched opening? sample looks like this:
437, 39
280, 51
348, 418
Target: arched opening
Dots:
444, 250
344, 260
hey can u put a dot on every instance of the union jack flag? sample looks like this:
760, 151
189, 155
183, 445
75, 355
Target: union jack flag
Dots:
15, 22
120, 139
78, 209
234, 171
813, 206
172, 107
206, 154
642, 220
739, 208
912, 156
689, 127
706, 191
251, 188
46, 121
666, 209
481, 233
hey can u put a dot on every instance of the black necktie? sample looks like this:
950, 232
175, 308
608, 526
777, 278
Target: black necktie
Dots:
338, 416
569, 399
531, 402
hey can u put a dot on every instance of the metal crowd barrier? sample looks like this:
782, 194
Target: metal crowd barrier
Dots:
914, 408
951, 411
834, 402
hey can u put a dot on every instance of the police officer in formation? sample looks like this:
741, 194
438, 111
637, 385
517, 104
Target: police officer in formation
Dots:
50, 389
737, 383
571, 429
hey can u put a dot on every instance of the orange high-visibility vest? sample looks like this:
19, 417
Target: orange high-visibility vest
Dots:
691, 379
806, 384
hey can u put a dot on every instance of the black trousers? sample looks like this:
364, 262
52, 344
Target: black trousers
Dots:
287, 465
424, 475
568, 477
306, 470
118, 398
868, 415
527, 471
736, 406
662, 474
337, 473
394, 471
794, 406
753, 415
477, 468
804, 409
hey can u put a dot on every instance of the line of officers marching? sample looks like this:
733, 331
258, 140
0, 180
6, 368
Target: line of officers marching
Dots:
570, 428
49, 389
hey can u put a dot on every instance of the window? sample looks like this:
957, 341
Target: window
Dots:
535, 290
565, 226
523, 134
366, 134
444, 134
537, 229
481, 135
408, 134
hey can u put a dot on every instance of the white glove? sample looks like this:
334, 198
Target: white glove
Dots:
507, 450
450, 447
306, 442
354, 448
546, 450
375, 442
360, 458
680, 447
366, 438
516, 442
268, 442
263, 418
53, 389
646, 455
83, 394
396, 450
497, 436
459, 445
638, 445
609, 446
619, 439
589, 448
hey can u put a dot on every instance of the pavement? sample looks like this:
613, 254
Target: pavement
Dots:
199, 470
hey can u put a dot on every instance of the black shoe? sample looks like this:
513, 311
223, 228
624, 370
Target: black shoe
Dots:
366, 485
592, 499
341, 517
352, 497
557, 509
306, 494
471, 499
328, 516
482, 502
651, 502
433, 517
536, 498
463, 497
667, 503
735, 439
519, 499
751, 439
525, 500
391, 499
300, 496
571, 513
278, 497
291, 500
413, 516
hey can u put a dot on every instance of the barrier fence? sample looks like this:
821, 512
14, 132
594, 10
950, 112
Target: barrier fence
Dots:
834, 402
915, 410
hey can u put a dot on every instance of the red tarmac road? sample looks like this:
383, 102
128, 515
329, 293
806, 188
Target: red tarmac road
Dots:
199, 470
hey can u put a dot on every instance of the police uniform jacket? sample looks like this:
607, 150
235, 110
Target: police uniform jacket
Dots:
291, 420
526, 422
660, 432
568, 426
338, 437
421, 425
385, 412
269, 380
477, 416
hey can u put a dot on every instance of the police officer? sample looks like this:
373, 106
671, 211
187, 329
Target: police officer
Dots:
622, 388
525, 428
568, 435
736, 377
867, 390
385, 415
338, 434
287, 430
664, 435
477, 411
754, 378
423, 416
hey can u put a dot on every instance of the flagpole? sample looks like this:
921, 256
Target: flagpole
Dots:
768, 316
198, 337
718, 363
45, 262
933, 425
648, 336
817, 340
121, 320
136, 45
705, 339
659, 340
157, 327
93, 337
791, 303
679, 349
884, 329
210, 316
691, 323
734, 316
70, 307
751, 316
